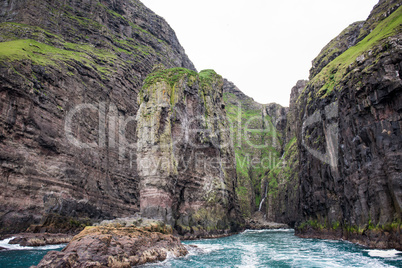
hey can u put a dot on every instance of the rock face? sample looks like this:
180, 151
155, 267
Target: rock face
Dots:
102, 115
349, 137
115, 247
70, 73
185, 157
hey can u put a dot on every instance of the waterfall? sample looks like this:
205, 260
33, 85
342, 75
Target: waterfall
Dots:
265, 195
262, 201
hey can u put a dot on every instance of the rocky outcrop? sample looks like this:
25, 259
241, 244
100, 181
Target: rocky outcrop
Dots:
70, 73
40, 239
381, 11
340, 175
350, 139
277, 115
115, 247
185, 157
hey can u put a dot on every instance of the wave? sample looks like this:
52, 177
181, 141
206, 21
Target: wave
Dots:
249, 231
205, 248
5, 244
391, 253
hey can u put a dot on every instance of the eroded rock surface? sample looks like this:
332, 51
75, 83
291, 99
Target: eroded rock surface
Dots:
115, 247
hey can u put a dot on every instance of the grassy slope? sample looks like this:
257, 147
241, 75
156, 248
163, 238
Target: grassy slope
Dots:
25, 42
46, 55
330, 76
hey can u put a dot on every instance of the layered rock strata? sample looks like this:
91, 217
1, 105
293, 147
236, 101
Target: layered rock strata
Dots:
70, 73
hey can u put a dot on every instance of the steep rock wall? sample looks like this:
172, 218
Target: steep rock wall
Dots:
350, 139
60, 161
283, 199
185, 158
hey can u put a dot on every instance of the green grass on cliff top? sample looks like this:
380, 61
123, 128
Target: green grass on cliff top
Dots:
42, 54
333, 73
172, 76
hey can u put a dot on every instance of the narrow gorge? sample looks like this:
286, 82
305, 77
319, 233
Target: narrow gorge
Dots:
103, 116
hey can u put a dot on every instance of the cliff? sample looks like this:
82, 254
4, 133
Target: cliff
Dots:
102, 115
340, 173
349, 135
70, 74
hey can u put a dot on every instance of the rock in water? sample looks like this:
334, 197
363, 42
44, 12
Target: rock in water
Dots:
115, 247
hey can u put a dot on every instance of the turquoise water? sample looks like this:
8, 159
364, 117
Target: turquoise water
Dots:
280, 248
22, 257
267, 248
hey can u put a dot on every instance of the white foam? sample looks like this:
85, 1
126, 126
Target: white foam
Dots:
267, 231
249, 258
5, 244
392, 253
208, 248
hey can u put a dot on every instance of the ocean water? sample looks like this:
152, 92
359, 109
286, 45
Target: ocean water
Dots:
22, 257
264, 248
280, 248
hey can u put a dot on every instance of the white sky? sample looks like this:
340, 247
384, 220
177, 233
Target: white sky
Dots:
263, 46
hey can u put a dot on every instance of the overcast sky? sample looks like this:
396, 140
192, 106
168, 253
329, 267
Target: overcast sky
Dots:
263, 46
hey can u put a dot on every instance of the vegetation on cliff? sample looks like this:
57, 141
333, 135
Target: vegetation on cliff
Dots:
339, 69
211, 149
257, 144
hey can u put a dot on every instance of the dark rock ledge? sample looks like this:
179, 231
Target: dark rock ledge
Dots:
374, 239
258, 222
38, 239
